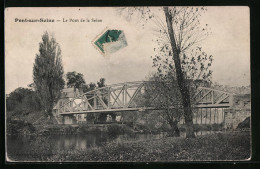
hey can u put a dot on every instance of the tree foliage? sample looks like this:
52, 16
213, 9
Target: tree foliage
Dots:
22, 101
89, 87
93, 86
188, 33
48, 72
101, 82
75, 80
195, 66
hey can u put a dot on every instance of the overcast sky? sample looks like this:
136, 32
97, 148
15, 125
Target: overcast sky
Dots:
229, 43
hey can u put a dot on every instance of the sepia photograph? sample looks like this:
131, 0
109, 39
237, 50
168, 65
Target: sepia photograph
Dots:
127, 84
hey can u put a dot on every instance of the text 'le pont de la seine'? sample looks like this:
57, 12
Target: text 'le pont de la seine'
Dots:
74, 20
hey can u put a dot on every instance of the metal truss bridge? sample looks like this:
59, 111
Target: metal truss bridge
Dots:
133, 96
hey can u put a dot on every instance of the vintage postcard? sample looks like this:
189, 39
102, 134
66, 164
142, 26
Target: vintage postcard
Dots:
127, 84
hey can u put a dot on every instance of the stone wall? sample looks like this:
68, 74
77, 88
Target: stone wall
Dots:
240, 110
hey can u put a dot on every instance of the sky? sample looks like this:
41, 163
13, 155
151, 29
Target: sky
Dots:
229, 44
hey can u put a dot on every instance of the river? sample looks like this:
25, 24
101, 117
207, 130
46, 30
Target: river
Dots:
22, 146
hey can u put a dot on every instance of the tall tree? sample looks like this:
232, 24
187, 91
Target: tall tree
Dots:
48, 73
178, 50
75, 80
179, 33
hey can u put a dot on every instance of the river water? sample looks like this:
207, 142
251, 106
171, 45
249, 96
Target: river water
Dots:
24, 145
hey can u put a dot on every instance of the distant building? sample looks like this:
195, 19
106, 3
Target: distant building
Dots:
67, 95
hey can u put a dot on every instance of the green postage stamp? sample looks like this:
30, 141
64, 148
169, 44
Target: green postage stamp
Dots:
110, 41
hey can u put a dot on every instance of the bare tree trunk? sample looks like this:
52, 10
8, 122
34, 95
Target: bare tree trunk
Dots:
175, 132
180, 77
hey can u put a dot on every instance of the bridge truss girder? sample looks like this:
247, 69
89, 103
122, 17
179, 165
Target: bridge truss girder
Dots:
126, 97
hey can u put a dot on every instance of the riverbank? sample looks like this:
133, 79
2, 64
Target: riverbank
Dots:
221, 146
20, 127
37, 124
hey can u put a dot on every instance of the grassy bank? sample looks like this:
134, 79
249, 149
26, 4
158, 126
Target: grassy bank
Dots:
229, 146
224, 146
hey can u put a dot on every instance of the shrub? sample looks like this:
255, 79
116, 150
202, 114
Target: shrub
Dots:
142, 127
15, 127
207, 127
115, 129
84, 128
22, 101
244, 124
217, 127
68, 129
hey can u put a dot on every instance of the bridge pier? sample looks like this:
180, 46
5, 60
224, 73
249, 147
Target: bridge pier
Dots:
69, 119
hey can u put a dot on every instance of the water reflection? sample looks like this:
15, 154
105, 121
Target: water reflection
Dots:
25, 144
78, 142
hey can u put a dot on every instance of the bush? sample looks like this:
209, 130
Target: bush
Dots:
143, 128
85, 129
15, 127
56, 129
217, 127
207, 127
244, 124
70, 130
115, 129
22, 101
